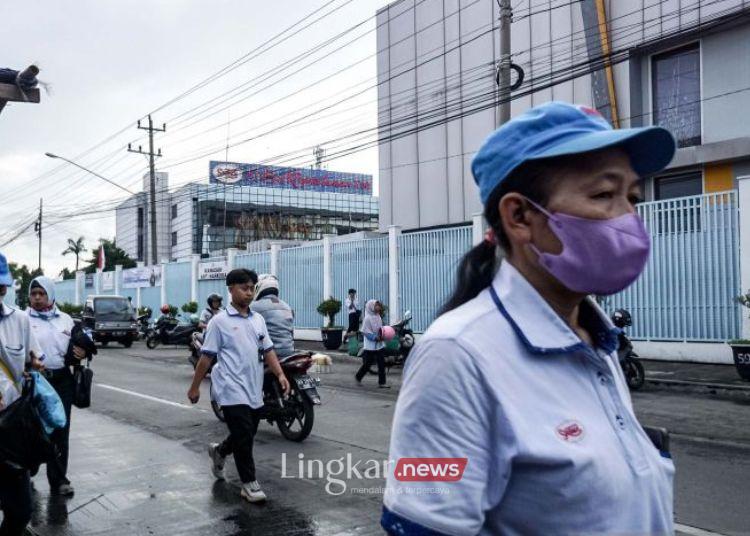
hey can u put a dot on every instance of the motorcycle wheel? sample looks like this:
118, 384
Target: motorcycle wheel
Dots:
634, 373
298, 427
152, 342
216, 407
127, 343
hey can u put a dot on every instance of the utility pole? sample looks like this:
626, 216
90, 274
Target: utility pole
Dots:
38, 229
152, 171
506, 15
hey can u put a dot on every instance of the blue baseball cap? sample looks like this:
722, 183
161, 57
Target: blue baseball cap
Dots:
5, 278
560, 129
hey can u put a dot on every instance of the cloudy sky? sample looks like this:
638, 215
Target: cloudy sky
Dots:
111, 62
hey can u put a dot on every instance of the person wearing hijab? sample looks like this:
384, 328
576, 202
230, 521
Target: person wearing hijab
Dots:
373, 342
53, 329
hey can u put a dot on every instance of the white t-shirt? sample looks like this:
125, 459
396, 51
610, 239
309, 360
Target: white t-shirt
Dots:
53, 334
16, 344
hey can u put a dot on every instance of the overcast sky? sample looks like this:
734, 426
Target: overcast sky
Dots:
111, 62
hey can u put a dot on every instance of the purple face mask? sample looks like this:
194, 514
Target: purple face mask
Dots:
599, 257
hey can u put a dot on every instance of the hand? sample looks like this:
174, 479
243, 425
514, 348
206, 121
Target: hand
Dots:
2, 406
194, 394
285, 385
79, 353
36, 364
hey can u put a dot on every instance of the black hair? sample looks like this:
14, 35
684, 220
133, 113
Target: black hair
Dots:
240, 276
534, 180
267, 292
352, 291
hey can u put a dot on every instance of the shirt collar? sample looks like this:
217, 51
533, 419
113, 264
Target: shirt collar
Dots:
45, 315
539, 327
232, 311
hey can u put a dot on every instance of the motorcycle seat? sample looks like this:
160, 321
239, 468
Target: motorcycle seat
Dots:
295, 355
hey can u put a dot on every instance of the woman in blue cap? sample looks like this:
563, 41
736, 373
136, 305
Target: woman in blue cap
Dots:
515, 417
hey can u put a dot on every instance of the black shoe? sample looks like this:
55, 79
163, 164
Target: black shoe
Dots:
384, 386
63, 490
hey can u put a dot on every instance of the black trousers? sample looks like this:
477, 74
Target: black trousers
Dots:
62, 381
15, 500
368, 358
353, 322
242, 422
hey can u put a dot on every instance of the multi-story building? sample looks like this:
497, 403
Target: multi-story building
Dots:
682, 64
246, 203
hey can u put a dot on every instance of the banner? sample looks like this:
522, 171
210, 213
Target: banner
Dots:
317, 180
89, 281
213, 270
108, 281
148, 276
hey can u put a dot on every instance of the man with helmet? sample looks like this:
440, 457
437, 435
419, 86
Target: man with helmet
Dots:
214, 308
278, 315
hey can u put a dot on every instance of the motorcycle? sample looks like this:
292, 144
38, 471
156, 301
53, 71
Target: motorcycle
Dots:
397, 350
168, 330
196, 343
144, 324
295, 415
629, 360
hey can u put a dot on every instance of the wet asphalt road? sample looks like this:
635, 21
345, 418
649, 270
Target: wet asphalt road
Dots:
139, 460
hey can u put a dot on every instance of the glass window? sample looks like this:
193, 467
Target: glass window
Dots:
174, 211
676, 90
174, 238
679, 185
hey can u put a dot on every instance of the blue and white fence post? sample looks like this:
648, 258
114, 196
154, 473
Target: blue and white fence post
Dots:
98, 281
118, 279
275, 253
79, 284
743, 203
194, 261
164, 282
477, 229
327, 268
394, 296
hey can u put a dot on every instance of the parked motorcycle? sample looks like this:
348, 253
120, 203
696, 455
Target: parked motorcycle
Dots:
397, 350
144, 323
196, 343
629, 361
168, 330
294, 415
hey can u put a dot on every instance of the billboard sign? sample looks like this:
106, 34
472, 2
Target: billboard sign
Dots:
213, 270
108, 281
147, 276
317, 180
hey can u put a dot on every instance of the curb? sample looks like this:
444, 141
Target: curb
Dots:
705, 385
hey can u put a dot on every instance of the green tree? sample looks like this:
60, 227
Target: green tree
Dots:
67, 274
75, 247
112, 257
23, 276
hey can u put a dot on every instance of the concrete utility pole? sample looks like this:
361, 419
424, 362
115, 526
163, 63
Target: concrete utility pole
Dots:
506, 15
152, 171
39, 233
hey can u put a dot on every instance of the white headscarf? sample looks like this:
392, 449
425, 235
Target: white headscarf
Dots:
373, 322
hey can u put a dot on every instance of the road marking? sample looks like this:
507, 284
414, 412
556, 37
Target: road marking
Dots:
148, 397
695, 531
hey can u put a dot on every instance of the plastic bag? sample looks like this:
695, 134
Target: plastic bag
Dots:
48, 404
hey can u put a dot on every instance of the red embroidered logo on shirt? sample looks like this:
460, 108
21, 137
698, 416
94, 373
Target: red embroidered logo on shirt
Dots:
570, 431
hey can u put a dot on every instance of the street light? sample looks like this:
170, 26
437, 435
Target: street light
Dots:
52, 155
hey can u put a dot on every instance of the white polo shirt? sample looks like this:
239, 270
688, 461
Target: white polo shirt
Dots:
16, 344
545, 422
238, 343
53, 334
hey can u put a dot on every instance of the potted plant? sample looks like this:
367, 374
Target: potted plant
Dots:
331, 334
741, 347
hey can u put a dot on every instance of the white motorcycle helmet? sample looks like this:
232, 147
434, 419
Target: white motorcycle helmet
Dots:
265, 283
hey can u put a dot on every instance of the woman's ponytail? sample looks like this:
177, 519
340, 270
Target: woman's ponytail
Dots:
475, 273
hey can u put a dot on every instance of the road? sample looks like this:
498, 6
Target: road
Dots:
139, 465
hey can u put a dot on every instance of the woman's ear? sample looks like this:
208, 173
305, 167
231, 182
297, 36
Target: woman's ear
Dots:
514, 210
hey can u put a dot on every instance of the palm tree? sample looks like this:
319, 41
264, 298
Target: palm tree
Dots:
75, 247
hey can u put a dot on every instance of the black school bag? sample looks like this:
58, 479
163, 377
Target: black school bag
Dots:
23, 442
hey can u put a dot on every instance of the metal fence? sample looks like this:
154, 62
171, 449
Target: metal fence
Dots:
301, 282
260, 261
427, 262
178, 276
689, 287
362, 265
65, 291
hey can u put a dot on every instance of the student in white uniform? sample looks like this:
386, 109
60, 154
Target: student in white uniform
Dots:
519, 377
18, 352
237, 339
53, 328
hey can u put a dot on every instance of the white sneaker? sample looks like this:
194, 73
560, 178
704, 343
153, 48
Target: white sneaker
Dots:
251, 492
217, 461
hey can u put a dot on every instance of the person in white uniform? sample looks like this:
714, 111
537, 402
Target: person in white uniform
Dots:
53, 328
518, 381
19, 351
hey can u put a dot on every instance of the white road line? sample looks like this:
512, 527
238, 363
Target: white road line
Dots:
694, 531
148, 397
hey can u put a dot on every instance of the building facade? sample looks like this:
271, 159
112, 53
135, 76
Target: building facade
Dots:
679, 63
245, 204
